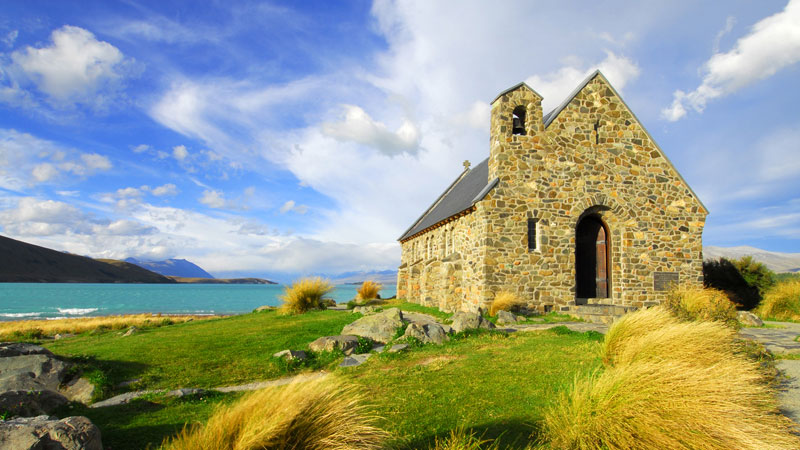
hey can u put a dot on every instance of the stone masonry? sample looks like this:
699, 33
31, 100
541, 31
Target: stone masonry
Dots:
590, 160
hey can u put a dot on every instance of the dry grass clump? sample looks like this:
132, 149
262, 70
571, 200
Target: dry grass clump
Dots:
461, 439
670, 384
368, 290
690, 303
782, 301
504, 301
42, 328
303, 295
311, 415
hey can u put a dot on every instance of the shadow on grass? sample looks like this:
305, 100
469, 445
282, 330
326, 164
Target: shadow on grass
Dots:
509, 434
105, 375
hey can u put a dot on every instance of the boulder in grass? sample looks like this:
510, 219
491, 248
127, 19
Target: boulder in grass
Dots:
45, 433
22, 348
30, 403
380, 327
427, 333
749, 319
291, 355
31, 373
469, 320
505, 317
347, 344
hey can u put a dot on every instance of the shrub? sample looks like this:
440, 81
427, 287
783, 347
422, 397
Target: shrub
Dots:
744, 280
756, 274
504, 301
304, 295
688, 303
369, 290
313, 415
782, 301
669, 384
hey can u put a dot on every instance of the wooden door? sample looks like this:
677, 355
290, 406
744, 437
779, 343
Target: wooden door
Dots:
601, 263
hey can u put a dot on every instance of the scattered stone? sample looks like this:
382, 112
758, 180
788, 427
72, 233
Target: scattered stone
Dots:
397, 348
380, 327
291, 354
131, 331
347, 344
21, 348
32, 372
30, 403
469, 320
426, 333
418, 318
127, 383
44, 433
505, 317
60, 336
122, 399
265, 308
78, 390
749, 319
355, 360
185, 392
364, 310
378, 348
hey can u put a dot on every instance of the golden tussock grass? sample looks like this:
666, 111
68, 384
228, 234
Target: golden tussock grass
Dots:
689, 303
461, 439
368, 290
670, 384
303, 295
40, 328
504, 301
312, 415
782, 301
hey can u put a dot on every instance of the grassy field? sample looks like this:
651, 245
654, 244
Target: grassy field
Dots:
494, 383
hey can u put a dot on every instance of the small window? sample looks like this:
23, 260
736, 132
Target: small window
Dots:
518, 122
533, 236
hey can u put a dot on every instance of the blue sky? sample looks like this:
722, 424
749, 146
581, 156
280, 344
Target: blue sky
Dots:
282, 138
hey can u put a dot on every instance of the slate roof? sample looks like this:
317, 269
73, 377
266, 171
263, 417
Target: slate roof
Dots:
469, 188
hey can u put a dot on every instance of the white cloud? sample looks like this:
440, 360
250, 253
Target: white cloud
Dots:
771, 45
213, 199
291, 206
359, 127
141, 148
179, 152
44, 172
74, 68
93, 161
10, 38
167, 189
556, 86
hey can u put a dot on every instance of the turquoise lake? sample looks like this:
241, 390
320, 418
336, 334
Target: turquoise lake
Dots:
56, 300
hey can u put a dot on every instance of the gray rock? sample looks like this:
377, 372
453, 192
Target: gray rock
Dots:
79, 390
397, 348
291, 354
21, 348
60, 336
469, 320
122, 399
418, 318
265, 308
127, 383
378, 348
364, 309
347, 344
31, 372
131, 331
426, 333
750, 319
31, 403
505, 317
185, 392
379, 327
44, 433
355, 360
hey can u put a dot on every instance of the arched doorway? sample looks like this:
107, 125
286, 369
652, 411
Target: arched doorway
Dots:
591, 258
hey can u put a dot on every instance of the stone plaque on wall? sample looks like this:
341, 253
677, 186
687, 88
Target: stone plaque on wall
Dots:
662, 281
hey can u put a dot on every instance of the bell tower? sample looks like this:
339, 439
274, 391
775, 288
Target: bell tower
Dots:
516, 121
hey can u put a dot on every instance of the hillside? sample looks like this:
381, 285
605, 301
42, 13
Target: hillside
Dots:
195, 280
23, 262
776, 261
172, 268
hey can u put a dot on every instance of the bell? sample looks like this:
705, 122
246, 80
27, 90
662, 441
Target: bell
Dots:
517, 127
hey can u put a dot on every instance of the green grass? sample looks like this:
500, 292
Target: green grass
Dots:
205, 354
495, 384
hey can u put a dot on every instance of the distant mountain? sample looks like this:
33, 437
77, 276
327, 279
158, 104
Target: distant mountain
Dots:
386, 277
194, 280
172, 268
28, 263
776, 261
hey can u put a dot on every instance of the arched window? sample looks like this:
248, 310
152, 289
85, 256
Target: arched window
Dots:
518, 122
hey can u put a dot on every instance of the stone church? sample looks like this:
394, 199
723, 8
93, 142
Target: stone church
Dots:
579, 206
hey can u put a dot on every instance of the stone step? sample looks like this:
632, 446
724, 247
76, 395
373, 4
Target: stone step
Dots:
599, 313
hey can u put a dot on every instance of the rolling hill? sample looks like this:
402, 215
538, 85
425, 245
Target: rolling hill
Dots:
172, 268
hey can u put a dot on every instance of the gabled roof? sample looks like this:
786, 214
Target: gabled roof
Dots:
514, 88
469, 188
551, 116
